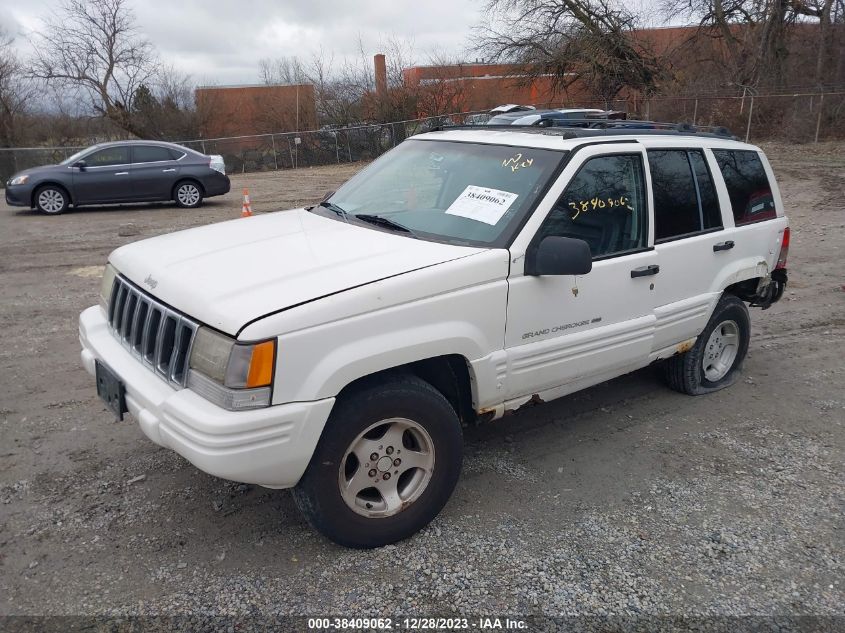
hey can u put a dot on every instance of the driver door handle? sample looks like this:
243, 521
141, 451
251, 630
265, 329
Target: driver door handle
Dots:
121, 173
167, 170
723, 246
644, 271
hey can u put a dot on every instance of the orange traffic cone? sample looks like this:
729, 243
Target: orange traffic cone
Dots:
246, 210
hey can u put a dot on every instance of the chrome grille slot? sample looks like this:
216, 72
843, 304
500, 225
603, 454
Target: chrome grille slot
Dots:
137, 331
151, 334
130, 304
161, 338
166, 335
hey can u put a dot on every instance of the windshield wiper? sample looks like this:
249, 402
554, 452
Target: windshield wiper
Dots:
334, 209
382, 221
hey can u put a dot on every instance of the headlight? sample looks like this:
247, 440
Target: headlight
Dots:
109, 273
232, 375
19, 180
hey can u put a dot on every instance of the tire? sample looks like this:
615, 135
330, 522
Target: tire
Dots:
715, 361
362, 517
188, 194
51, 199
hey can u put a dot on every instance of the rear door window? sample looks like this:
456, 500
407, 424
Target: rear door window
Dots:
604, 205
150, 154
748, 186
685, 200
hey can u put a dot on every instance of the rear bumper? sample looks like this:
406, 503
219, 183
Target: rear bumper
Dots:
270, 447
217, 185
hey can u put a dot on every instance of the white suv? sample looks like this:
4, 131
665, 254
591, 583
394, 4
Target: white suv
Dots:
338, 349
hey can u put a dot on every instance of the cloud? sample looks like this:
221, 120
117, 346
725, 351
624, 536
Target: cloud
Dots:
221, 41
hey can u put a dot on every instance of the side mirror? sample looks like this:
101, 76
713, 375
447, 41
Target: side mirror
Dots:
560, 256
80, 164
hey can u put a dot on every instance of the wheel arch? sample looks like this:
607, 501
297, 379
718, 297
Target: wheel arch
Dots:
449, 374
51, 183
182, 180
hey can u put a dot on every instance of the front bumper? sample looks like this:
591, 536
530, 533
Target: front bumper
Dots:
270, 447
18, 195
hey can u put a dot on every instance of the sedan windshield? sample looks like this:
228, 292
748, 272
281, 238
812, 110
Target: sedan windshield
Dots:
460, 193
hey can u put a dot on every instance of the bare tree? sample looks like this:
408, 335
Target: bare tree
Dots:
586, 41
94, 45
443, 92
282, 70
756, 37
165, 108
15, 91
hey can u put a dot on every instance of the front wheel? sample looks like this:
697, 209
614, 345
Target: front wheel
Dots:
715, 361
51, 200
188, 195
386, 464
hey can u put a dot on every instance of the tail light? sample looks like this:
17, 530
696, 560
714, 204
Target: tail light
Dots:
784, 250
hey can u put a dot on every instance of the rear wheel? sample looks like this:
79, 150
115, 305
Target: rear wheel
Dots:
188, 194
386, 464
51, 200
715, 361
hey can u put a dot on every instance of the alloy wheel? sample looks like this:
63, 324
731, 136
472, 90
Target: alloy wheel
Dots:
720, 351
51, 201
386, 468
188, 195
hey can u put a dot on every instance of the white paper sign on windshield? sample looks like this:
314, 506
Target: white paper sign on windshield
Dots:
482, 204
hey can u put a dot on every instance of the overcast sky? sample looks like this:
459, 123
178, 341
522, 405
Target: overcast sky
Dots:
221, 41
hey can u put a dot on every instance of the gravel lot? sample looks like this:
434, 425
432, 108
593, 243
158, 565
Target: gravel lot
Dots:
624, 499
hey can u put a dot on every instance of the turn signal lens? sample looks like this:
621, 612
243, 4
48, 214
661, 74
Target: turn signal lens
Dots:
251, 365
261, 364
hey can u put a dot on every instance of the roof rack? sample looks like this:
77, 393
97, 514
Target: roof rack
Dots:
578, 128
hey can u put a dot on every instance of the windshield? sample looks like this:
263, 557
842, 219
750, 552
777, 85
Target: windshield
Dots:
72, 159
460, 193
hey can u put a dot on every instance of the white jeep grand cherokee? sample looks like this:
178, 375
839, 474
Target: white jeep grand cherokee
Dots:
337, 349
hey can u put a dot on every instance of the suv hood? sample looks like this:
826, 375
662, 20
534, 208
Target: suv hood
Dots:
228, 274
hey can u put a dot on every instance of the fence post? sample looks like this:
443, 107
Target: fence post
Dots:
750, 111
695, 112
275, 159
348, 149
336, 148
290, 149
819, 118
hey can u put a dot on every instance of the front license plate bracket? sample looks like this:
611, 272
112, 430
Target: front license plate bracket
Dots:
111, 390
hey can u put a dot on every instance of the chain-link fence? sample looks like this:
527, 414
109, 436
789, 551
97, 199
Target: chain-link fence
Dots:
802, 117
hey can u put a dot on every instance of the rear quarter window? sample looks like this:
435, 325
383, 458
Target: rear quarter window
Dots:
748, 186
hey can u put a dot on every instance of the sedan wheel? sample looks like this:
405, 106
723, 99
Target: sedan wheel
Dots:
51, 200
188, 195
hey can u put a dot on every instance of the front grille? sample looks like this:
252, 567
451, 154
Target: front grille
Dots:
159, 337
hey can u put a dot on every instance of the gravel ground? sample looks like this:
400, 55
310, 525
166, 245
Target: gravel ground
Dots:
623, 500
